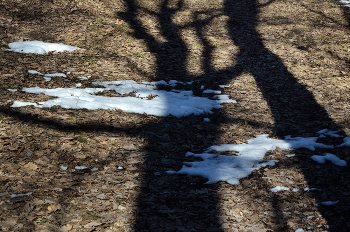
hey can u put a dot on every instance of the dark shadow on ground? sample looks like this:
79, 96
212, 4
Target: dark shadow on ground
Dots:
346, 12
294, 109
167, 202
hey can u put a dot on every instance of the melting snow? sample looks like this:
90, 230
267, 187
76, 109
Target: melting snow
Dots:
327, 203
206, 119
20, 195
249, 157
47, 77
39, 47
279, 188
334, 159
80, 167
148, 99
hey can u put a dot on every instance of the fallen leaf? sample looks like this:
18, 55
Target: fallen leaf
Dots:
30, 166
54, 207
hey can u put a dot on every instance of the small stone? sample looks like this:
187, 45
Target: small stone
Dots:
92, 224
101, 196
130, 147
66, 228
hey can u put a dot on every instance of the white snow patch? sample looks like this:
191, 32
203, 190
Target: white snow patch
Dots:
346, 142
299, 230
47, 78
225, 99
56, 75
39, 47
94, 169
12, 90
78, 85
295, 190
83, 78
330, 133
80, 167
334, 159
20, 104
64, 168
20, 195
249, 157
327, 203
206, 120
279, 188
345, 3
34, 72
211, 91
289, 156
148, 99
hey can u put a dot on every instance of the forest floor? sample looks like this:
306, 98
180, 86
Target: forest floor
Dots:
173, 40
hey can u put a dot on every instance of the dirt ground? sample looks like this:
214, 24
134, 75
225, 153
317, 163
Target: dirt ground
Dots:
286, 63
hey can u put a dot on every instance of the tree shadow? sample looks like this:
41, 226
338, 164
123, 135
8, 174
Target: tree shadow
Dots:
169, 202
294, 109
346, 12
165, 202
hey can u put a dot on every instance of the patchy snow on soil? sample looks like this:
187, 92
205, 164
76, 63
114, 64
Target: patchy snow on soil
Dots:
327, 156
81, 167
344, 3
279, 188
147, 99
20, 195
47, 77
248, 157
84, 78
39, 47
327, 203
206, 119
346, 142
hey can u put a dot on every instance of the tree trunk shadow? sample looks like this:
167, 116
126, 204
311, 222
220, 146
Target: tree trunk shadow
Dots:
294, 109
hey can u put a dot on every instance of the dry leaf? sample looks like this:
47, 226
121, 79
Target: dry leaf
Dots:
30, 166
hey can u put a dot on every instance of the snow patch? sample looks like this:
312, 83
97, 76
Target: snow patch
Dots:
327, 203
20, 195
148, 99
39, 47
279, 188
334, 159
248, 158
81, 167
